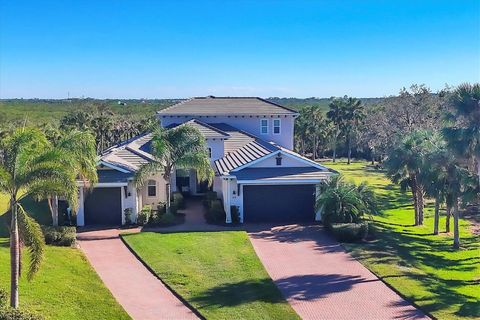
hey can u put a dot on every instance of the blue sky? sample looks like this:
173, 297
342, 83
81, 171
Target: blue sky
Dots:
154, 49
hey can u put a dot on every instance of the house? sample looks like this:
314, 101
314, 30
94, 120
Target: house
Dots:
250, 142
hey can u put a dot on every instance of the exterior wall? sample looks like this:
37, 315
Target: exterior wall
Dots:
250, 124
161, 191
287, 161
217, 148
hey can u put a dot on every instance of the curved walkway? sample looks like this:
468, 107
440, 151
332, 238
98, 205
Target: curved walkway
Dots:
139, 292
321, 281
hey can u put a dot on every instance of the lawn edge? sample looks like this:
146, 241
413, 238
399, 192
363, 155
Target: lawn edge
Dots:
428, 314
175, 293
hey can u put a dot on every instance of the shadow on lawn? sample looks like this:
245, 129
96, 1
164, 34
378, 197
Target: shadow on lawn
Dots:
232, 294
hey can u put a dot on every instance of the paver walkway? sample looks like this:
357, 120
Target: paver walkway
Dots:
139, 292
321, 281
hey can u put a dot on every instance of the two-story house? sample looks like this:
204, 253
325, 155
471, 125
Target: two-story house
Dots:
250, 143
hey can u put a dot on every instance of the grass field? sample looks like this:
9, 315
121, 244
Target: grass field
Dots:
422, 267
66, 286
217, 272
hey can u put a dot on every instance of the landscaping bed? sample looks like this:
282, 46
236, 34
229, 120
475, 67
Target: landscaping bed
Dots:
423, 268
218, 273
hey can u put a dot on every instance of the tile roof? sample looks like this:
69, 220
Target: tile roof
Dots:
208, 131
226, 106
130, 154
288, 173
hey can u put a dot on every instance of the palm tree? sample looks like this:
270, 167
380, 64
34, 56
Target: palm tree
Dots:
463, 132
405, 165
341, 201
79, 154
336, 114
29, 166
181, 147
353, 115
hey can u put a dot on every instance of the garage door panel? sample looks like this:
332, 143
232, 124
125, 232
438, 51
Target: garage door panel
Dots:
278, 203
103, 206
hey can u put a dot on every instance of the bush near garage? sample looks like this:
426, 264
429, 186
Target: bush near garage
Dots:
60, 236
215, 213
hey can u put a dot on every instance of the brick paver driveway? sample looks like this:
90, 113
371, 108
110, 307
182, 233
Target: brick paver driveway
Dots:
139, 292
321, 281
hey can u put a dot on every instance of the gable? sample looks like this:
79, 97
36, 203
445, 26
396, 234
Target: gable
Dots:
287, 161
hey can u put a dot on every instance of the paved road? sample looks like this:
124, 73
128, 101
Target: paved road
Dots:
139, 292
321, 281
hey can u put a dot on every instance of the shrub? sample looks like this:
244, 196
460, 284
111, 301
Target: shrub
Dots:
155, 217
167, 218
235, 213
161, 208
18, 314
211, 195
179, 200
173, 208
60, 236
143, 217
344, 202
215, 214
128, 216
349, 232
3, 298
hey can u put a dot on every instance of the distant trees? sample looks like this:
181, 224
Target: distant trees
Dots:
107, 127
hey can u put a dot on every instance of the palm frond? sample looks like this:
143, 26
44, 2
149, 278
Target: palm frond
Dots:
32, 237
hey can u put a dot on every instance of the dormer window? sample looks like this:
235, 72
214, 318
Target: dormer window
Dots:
264, 126
279, 159
276, 126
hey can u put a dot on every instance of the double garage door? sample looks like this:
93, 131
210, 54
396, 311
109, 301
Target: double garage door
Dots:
103, 206
278, 203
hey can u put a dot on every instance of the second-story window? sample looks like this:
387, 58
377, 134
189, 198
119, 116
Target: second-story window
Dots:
276, 126
264, 126
210, 153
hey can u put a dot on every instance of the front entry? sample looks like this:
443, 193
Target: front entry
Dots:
103, 206
278, 203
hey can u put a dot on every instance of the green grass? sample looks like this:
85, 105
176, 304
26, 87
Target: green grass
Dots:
66, 287
422, 267
217, 272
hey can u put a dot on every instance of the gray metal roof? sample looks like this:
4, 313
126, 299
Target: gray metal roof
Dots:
112, 176
208, 131
288, 173
226, 106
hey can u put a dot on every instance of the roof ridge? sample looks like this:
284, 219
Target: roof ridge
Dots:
175, 104
208, 126
276, 104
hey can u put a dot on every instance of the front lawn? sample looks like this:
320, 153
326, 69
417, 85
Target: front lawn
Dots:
423, 267
217, 272
66, 286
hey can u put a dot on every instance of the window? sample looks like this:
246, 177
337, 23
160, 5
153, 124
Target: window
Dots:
264, 126
152, 188
210, 153
276, 126
279, 159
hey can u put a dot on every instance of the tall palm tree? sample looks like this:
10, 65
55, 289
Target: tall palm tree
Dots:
181, 147
79, 154
463, 131
29, 166
336, 114
353, 115
405, 165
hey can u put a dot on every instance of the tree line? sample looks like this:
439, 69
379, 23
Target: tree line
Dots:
427, 142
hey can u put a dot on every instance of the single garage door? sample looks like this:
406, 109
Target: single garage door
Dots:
279, 203
103, 206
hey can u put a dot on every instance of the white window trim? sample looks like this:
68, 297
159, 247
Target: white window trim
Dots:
279, 126
261, 126
156, 188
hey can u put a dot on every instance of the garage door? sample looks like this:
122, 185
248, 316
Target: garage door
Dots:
103, 206
280, 203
